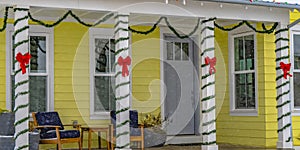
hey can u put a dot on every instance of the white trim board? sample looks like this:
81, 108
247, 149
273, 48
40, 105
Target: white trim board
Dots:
243, 31
159, 7
294, 30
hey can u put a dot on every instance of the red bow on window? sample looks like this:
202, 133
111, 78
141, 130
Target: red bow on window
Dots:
124, 63
23, 60
285, 68
211, 62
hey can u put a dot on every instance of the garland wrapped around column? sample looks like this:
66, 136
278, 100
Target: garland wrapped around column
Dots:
122, 81
283, 89
208, 86
21, 63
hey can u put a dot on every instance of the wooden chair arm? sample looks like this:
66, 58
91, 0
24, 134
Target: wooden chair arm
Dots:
71, 125
46, 126
140, 125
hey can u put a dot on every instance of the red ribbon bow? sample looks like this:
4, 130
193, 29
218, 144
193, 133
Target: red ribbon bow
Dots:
285, 68
211, 62
124, 63
23, 60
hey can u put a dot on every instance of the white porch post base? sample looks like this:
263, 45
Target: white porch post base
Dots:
209, 147
208, 104
283, 145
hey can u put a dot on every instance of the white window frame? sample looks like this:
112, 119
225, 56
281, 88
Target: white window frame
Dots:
294, 30
233, 111
106, 33
34, 30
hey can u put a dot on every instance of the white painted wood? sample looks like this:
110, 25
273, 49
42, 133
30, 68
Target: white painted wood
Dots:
208, 91
192, 8
125, 89
295, 30
97, 33
23, 139
243, 31
286, 133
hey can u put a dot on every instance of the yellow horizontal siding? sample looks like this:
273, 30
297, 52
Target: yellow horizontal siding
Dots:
238, 130
146, 71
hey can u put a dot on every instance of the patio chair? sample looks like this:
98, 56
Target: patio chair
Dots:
136, 130
52, 130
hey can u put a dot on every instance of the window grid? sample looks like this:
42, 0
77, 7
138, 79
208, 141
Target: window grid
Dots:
246, 71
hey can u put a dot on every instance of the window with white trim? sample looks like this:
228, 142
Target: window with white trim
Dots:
295, 68
243, 75
40, 72
102, 45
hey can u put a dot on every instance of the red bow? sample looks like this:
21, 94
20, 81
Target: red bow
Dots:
124, 63
285, 68
23, 60
212, 63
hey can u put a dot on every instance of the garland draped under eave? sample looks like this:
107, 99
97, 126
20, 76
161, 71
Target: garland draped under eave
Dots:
110, 15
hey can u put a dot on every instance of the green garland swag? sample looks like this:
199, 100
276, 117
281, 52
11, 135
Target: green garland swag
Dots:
108, 16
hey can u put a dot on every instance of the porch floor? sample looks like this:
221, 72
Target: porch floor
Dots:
194, 147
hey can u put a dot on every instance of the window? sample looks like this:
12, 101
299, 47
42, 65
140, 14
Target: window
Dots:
102, 47
295, 68
243, 75
178, 49
40, 72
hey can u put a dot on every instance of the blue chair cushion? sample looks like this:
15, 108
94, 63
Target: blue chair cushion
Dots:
48, 118
134, 118
63, 134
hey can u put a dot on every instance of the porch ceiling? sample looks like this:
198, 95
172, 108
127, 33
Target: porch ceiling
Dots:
53, 14
158, 7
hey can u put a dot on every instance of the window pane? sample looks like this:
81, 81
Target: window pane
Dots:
245, 91
240, 91
297, 51
101, 55
104, 94
296, 89
250, 91
112, 55
185, 51
169, 50
177, 51
239, 61
38, 93
249, 52
38, 54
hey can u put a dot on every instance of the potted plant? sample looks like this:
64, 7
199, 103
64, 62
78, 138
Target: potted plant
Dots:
7, 120
7, 131
154, 135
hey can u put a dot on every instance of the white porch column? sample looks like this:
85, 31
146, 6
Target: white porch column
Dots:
285, 139
208, 88
21, 45
122, 81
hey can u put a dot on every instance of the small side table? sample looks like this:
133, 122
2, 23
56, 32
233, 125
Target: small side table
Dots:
98, 129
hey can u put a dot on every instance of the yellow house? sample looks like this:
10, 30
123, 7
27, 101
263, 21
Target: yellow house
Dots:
246, 98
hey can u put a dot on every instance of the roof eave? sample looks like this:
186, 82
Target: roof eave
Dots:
257, 3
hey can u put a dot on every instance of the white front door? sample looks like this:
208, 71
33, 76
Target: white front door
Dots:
179, 74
